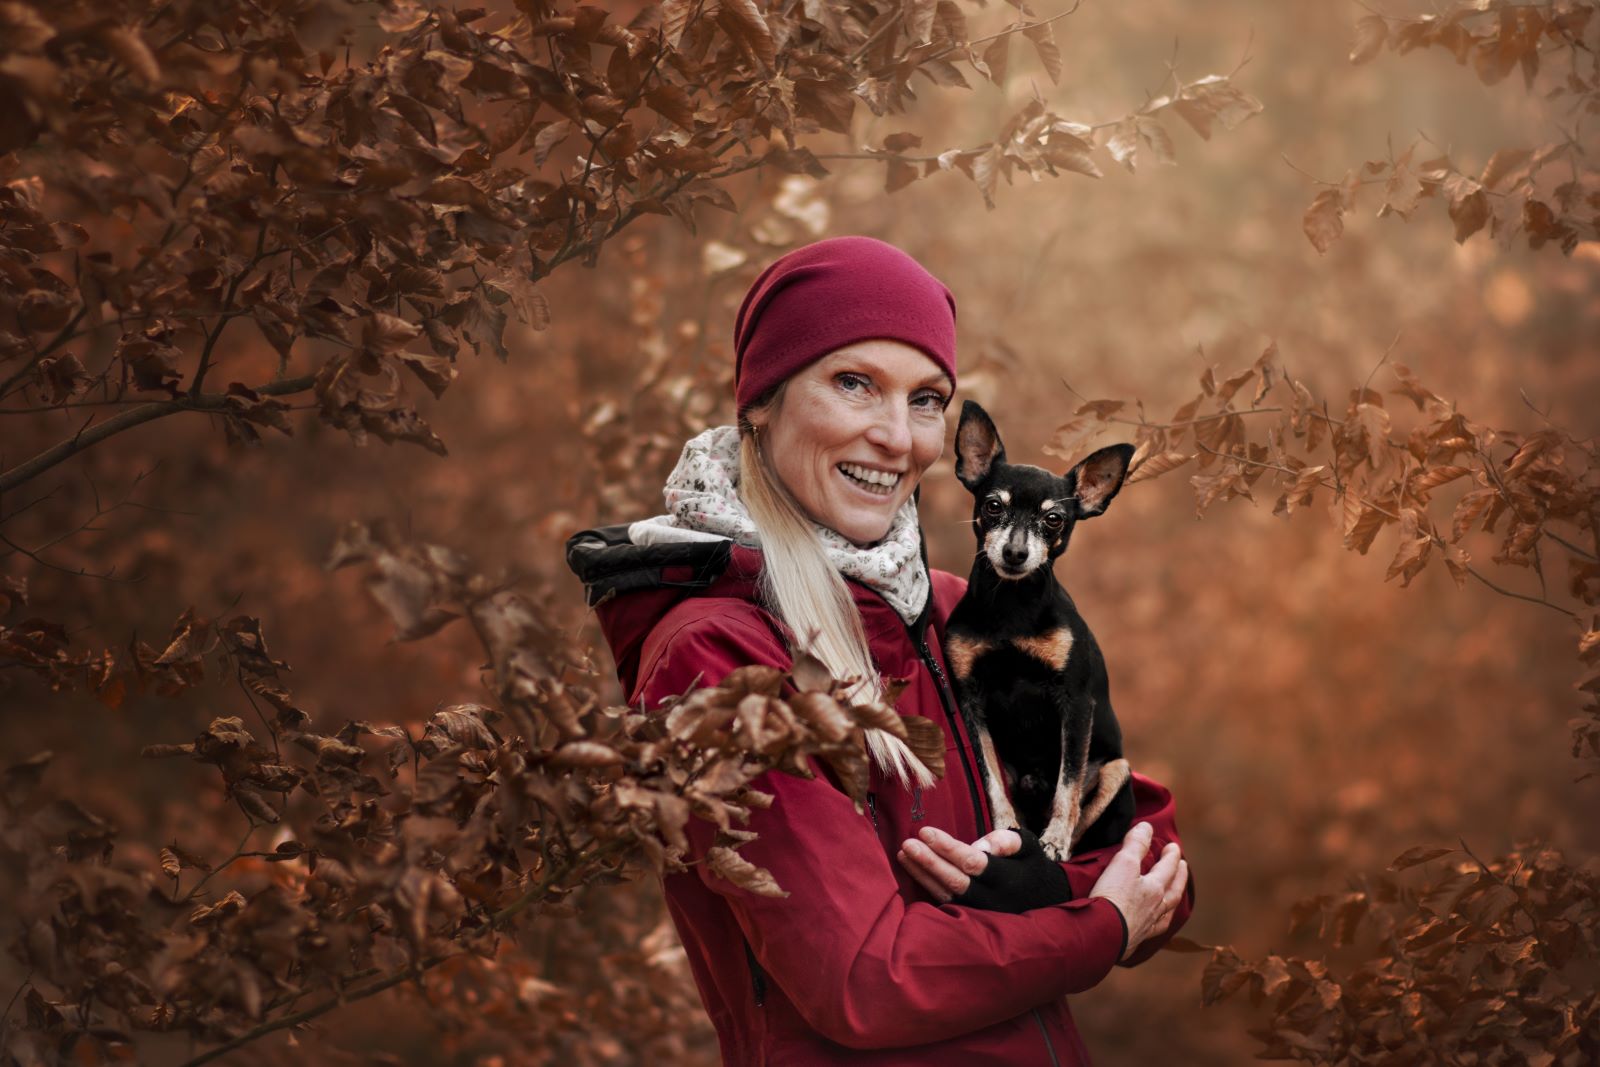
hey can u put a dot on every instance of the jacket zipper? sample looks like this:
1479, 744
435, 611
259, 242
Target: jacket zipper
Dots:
872, 808
758, 977
947, 699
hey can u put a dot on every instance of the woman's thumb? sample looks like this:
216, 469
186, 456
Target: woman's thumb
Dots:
1137, 841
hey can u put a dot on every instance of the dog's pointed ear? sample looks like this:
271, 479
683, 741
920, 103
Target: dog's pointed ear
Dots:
978, 446
1096, 480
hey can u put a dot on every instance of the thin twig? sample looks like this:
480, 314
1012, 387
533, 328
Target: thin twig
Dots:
1381, 361
238, 851
1570, 547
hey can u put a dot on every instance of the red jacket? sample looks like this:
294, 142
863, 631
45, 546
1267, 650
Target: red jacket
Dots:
857, 964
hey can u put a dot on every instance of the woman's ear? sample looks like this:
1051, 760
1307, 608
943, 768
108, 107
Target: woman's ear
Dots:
978, 446
1096, 480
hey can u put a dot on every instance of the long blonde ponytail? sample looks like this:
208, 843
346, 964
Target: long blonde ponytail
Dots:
803, 588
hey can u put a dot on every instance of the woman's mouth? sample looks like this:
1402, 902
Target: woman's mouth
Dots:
878, 483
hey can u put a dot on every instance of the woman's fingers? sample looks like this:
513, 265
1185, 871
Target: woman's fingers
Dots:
1166, 868
1135, 843
999, 843
924, 879
937, 874
1174, 893
963, 857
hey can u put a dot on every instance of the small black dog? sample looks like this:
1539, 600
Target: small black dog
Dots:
1030, 679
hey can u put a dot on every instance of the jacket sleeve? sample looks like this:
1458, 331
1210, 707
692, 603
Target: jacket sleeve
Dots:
1153, 803
864, 967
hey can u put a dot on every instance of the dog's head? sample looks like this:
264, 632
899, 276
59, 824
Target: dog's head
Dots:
1023, 515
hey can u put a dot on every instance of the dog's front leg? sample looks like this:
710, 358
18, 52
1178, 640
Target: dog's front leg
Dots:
1113, 775
1066, 806
975, 716
1005, 816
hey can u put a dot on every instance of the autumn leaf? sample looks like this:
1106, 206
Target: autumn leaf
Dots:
728, 864
1214, 98
1411, 857
1101, 409
1362, 522
1324, 219
1044, 42
1412, 553
1471, 507
1155, 466
1469, 209
1371, 33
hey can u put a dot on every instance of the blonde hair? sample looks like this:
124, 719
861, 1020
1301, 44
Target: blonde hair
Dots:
802, 587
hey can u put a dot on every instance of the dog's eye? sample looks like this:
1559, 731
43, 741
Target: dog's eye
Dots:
992, 508
1053, 521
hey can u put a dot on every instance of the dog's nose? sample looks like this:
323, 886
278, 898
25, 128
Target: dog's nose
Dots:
1014, 556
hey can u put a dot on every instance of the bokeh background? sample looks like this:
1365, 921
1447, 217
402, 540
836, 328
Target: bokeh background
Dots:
1312, 720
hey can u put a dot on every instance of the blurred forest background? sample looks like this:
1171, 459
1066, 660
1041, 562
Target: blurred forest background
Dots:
1313, 719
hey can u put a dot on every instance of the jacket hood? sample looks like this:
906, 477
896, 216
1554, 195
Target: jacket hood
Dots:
631, 586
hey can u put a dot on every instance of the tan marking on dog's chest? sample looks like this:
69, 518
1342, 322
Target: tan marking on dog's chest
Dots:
963, 652
1052, 648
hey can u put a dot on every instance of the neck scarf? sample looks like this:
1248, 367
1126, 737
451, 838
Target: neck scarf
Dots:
703, 505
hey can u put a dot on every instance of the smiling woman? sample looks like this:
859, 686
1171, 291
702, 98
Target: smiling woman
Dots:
796, 529
848, 439
851, 435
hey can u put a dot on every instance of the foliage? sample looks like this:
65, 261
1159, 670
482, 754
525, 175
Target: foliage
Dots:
1479, 963
1485, 963
375, 190
393, 854
371, 216
1519, 190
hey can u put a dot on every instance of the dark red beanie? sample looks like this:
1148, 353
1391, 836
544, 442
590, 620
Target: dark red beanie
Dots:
827, 294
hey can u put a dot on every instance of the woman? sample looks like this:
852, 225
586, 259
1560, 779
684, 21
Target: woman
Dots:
899, 942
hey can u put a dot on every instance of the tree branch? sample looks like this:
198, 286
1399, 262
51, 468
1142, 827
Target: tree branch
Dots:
85, 439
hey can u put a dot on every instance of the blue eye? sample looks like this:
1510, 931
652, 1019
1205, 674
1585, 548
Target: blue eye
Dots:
847, 380
931, 401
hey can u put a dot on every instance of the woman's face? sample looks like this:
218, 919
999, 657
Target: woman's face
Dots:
852, 433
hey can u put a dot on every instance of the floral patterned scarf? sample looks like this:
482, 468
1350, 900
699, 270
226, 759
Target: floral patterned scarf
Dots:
703, 505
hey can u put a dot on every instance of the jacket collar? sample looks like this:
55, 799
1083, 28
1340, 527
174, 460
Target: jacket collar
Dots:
632, 586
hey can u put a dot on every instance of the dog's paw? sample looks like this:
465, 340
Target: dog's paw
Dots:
1056, 844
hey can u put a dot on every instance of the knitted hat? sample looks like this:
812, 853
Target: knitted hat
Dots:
828, 294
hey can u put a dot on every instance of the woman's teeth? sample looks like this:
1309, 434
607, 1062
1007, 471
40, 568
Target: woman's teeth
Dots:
880, 483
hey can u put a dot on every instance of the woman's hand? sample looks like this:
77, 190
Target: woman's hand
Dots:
945, 867
1145, 900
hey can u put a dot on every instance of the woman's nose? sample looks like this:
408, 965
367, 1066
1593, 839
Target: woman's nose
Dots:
891, 430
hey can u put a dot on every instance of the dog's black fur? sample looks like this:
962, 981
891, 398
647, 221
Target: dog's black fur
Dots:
1029, 677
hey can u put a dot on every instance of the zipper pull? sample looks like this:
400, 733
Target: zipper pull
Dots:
872, 809
917, 814
927, 654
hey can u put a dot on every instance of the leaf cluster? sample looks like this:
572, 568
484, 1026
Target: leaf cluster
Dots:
376, 190
391, 853
1488, 963
1519, 190
1474, 963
